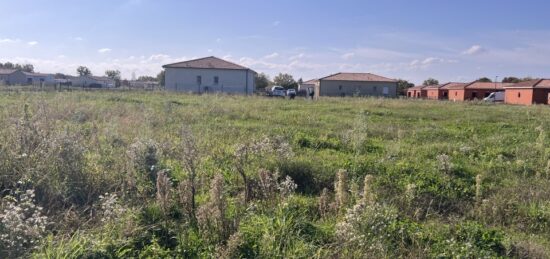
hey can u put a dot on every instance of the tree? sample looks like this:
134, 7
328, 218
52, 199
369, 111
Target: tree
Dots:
146, 78
27, 68
115, 75
161, 77
402, 86
262, 81
430, 81
511, 79
83, 71
485, 80
285, 80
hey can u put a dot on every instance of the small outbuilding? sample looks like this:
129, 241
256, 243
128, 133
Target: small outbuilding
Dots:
310, 88
208, 75
528, 92
357, 84
417, 92
437, 92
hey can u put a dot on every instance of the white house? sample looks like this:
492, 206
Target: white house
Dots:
93, 81
208, 75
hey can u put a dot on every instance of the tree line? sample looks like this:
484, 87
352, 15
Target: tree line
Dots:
23, 67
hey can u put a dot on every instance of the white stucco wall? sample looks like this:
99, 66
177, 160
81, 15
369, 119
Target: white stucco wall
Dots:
350, 88
229, 81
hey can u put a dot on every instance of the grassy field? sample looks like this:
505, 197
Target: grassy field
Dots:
154, 174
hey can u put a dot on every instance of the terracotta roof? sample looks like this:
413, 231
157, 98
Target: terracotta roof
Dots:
433, 87
6, 71
208, 62
418, 87
486, 85
357, 77
312, 81
453, 85
538, 83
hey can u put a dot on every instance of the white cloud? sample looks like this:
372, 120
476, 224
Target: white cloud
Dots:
32, 43
9, 40
218, 40
104, 50
276, 23
78, 38
296, 57
474, 50
272, 55
61, 56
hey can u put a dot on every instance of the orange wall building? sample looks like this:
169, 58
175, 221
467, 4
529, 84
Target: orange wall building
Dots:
417, 92
474, 90
528, 92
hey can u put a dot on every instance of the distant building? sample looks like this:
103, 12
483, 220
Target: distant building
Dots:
474, 90
5, 76
208, 75
93, 81
357, 84
309, 87
417, 92
143, 84
528, 92
19, 77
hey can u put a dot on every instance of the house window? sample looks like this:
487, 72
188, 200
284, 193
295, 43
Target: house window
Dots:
216, 80
199, 80
519, 94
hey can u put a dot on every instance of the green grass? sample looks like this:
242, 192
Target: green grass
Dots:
397, 141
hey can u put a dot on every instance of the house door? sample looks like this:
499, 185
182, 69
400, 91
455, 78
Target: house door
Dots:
474, 95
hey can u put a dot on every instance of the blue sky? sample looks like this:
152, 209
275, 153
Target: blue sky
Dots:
448, 40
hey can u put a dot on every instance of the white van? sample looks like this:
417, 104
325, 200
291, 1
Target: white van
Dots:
495, 97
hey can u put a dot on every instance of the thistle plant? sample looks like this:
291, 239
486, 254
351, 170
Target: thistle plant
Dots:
369, 196
268, 184
287, 187
341, 190
22, 224
164, 191
185, 198
111, 208
479, 182
445, 164
324, 203
211, 216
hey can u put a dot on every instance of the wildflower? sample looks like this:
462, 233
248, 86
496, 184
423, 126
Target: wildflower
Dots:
445, 165
23, 224
287, 187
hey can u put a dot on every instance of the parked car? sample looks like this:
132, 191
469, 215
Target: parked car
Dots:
495, 97
291, 93
278, 91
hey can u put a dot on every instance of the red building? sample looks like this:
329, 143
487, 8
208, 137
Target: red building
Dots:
528, 92
417, 92
474, 90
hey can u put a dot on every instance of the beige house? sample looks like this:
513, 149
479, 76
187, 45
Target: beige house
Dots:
357, 84
209, 75
311, 86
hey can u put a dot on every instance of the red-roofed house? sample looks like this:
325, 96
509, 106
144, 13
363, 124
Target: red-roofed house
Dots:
528, 92
357, 84
437, 92
417, 92
473, 91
